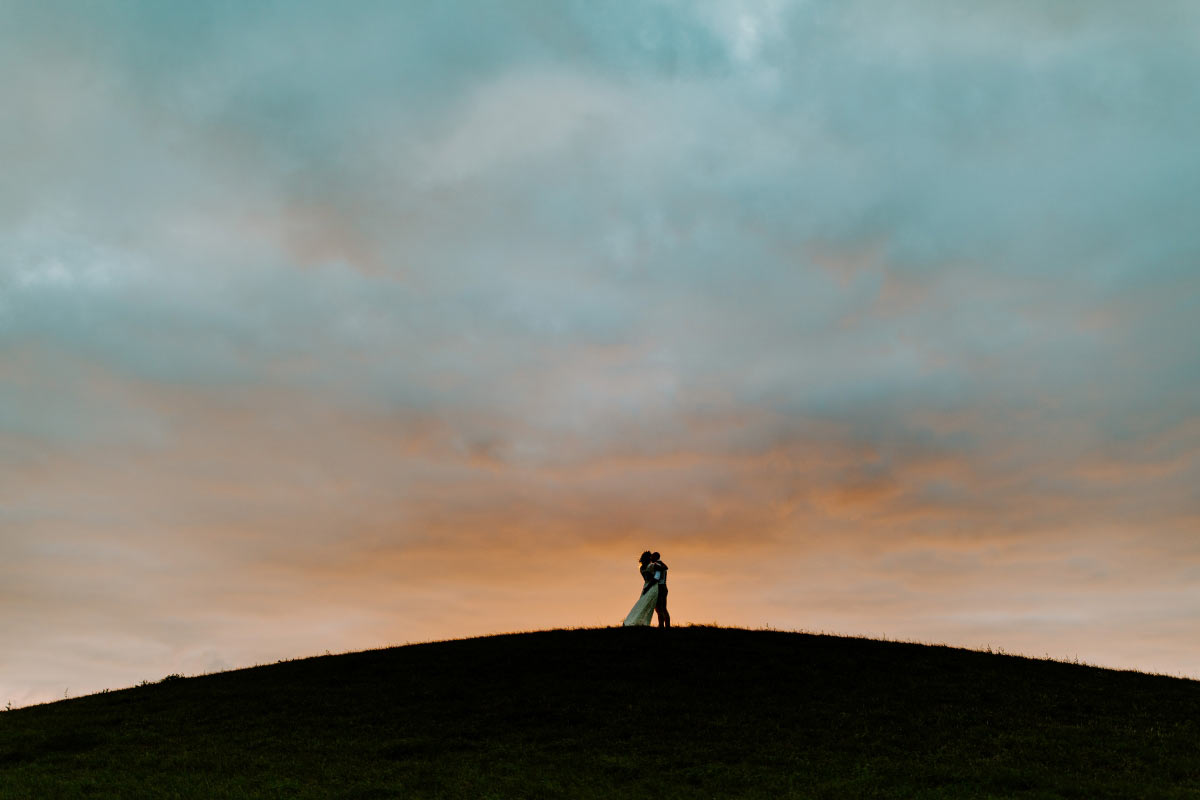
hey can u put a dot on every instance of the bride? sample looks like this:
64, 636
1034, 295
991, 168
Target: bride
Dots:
643, 609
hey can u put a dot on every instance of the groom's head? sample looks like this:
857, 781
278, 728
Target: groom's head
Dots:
655, 556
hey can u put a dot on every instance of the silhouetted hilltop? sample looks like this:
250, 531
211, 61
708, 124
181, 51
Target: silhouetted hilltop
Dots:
686, 713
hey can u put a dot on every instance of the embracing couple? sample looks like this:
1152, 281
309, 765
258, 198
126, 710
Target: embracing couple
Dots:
654, 593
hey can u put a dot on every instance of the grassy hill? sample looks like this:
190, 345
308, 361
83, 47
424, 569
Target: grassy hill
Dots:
688, 713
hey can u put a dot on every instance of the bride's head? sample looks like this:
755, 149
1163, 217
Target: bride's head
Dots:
646, 558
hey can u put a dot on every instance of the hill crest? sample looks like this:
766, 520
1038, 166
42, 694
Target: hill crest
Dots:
696, 711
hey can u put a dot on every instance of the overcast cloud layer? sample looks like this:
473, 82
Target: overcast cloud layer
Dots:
329, 327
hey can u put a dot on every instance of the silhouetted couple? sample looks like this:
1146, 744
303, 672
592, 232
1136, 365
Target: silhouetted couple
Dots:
654, 593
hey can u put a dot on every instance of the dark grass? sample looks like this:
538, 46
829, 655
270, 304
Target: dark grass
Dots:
686, 713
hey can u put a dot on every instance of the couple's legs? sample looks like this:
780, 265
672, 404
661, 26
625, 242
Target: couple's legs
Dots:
664, 617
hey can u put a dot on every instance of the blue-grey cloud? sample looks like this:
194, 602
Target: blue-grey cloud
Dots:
346, 282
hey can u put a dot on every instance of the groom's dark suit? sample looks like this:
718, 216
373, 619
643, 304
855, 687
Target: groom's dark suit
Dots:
660, 571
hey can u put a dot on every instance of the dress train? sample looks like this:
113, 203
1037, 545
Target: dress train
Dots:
643, 610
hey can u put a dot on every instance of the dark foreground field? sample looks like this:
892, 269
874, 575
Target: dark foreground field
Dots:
688, 713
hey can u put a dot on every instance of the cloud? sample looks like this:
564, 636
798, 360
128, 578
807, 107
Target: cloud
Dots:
308, 314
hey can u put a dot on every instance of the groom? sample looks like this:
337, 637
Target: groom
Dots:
659, 570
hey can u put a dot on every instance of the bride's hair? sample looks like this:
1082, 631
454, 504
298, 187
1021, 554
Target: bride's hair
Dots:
646, 558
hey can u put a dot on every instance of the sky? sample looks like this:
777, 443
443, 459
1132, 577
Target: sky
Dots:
329, 326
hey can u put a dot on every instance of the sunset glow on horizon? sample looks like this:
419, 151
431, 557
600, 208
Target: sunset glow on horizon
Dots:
325, 327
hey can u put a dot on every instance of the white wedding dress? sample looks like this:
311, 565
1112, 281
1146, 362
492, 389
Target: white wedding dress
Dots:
643, 610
